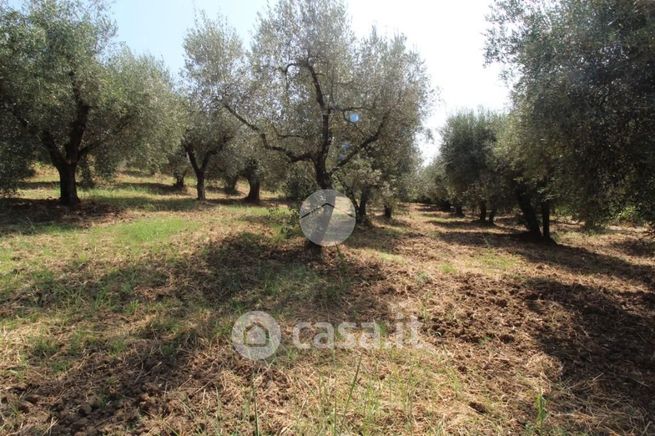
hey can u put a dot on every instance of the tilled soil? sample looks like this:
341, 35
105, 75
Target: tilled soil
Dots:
504, 321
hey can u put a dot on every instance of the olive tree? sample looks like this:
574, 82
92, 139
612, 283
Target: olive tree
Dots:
584, 83
213, 57
466, 150
69, 94
382, 174
313, 86
209, 131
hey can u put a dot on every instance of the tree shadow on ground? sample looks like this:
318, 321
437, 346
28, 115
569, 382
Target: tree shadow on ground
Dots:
636, 247
576, 260
602, 370
606, 347
36, 216
182, 349
460, 223
30, 216
151, 187
382, 235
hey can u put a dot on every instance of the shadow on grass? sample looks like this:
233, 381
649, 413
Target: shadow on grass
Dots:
385, 238
575, 260
150, 187
636, 247
33, 216
460, 223
117, 384
606, 349
36, 216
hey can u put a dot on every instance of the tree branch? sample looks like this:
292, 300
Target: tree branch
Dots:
290, 155
363, 146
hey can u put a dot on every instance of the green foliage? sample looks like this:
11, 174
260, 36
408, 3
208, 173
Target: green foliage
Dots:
300, 183
585, 93
69, 93
307, 75
285, 222
467, 162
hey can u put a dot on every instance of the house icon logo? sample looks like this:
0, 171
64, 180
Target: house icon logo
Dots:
256, 335
327, 217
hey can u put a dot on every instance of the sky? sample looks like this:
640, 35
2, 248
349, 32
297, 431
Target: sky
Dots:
449, 34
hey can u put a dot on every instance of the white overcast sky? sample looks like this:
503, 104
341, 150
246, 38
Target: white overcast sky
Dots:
447, 33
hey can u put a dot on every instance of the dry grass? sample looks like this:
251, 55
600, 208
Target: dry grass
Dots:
117, 318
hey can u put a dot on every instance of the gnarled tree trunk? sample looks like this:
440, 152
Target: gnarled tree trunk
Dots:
361, 214
254, 188
179, 180
200, 186
200, 169
528, 211
251, 173
323, 178
230, 186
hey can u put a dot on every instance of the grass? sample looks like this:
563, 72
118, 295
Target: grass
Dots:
494, 260
118, 318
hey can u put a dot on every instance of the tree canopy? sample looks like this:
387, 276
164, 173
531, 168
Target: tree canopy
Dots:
68, 93
584, 92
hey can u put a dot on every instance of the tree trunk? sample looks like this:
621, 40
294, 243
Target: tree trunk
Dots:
388, 211
255, 185
324, 182
529, 213
67, 184
179, 181
322, 177
200, 186
200, 171
492, 215
483, 212
361, 215
459, 211
230, 187
545, 219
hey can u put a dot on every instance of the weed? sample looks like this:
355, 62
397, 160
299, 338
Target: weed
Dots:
44, 346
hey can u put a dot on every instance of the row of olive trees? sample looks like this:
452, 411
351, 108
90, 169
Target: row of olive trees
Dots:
477, 168
307, 97
580, 136
316, 99
583, 127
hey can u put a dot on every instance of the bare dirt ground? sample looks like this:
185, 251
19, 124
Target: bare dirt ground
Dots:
116, 319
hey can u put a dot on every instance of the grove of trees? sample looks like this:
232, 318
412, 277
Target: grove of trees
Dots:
311, 105
308, 97
581, 133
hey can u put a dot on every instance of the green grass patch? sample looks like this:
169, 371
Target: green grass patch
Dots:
43, 346
148, 231
494, 260
447, 268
